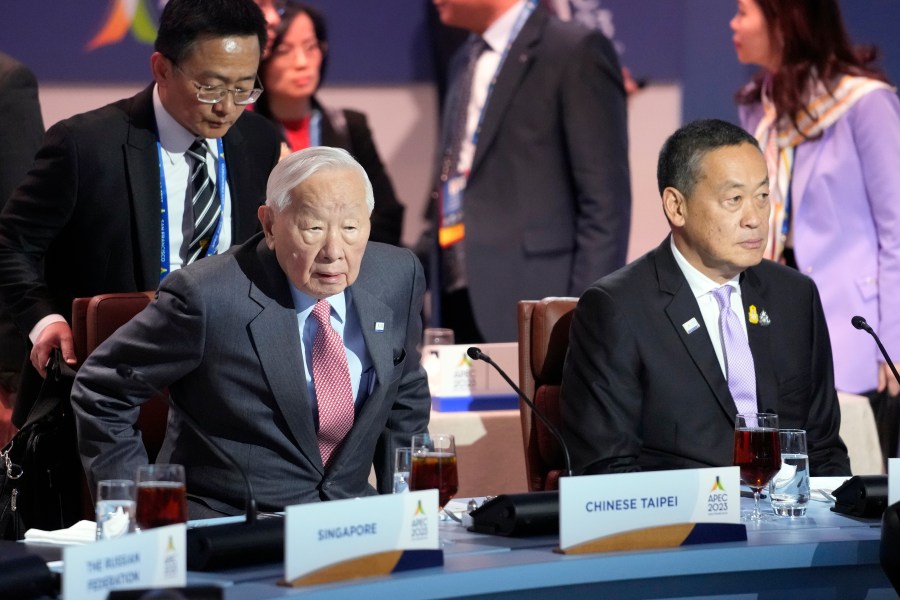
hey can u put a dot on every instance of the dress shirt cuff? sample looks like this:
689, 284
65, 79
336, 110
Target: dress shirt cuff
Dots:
42, 324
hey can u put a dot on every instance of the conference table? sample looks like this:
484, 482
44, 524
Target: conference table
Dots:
492, 459
823, 555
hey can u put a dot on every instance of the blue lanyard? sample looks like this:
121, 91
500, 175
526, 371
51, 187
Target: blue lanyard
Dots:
164, 262
517, 27
315, 128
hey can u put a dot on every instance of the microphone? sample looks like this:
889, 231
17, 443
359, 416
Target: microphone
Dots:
518, 515
476, 354
215, 547
860, 323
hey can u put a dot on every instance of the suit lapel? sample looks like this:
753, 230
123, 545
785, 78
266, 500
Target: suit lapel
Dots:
682, 308
277, 342
142, 170
518, 61
753, 294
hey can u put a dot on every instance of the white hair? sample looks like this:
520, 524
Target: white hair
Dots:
303, 164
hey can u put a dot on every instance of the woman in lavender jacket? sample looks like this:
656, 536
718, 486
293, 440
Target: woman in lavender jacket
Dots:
829, 124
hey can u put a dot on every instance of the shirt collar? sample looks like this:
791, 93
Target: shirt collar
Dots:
497, 35
303, 303
700, 284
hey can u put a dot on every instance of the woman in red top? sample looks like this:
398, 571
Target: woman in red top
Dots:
291, 74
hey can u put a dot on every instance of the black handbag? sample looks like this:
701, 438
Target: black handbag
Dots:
40, 469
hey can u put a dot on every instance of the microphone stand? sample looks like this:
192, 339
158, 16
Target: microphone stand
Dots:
860, 323
215, 547
534, 513
476, 354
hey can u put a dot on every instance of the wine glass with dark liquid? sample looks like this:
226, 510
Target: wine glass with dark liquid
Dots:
161, 496
757, 452
434, 465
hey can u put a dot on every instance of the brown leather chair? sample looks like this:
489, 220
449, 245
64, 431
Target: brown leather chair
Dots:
93, 320
96, 318
543, 342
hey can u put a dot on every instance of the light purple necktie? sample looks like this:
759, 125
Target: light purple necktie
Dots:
738, 358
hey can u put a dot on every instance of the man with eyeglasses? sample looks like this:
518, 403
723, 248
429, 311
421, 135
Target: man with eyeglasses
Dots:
120, 196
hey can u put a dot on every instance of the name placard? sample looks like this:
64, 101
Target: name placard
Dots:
151, 559
631, 511
362, 537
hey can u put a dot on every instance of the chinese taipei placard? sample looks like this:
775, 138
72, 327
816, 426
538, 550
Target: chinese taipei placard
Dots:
362, 537
661, 509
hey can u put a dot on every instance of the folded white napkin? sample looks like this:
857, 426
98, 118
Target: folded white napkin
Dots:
81, 532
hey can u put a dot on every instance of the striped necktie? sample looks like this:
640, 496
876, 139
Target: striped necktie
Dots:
203, 200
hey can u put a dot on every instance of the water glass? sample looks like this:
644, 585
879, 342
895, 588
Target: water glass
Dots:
789, 489
438, 336
402, 462
115, 509
161, 495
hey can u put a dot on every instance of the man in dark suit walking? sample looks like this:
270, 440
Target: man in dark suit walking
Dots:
298, 349
666, 351
109, 204
534, 197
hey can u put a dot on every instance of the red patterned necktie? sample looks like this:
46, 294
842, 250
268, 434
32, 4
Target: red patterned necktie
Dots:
331, 378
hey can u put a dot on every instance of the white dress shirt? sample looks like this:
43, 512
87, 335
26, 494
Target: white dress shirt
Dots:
497, 37
175, 140
702, 287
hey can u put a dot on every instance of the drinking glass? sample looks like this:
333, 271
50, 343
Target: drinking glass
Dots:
434, 465
789, 489
161, 495
115, 508
437, 336
402, 460
758, 454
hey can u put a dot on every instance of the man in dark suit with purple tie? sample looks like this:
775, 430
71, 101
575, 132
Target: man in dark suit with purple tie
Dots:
654, 376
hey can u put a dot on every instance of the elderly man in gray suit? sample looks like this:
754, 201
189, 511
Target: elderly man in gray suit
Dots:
296, 352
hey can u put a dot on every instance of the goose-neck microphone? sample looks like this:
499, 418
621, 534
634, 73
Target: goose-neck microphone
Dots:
216, 547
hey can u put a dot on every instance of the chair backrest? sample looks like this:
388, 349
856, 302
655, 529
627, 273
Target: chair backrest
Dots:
543, 342
96, 318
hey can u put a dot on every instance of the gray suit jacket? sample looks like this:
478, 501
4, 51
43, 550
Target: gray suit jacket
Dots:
223, 337
547, 204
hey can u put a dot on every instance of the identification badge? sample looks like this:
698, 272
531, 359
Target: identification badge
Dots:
451, 194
